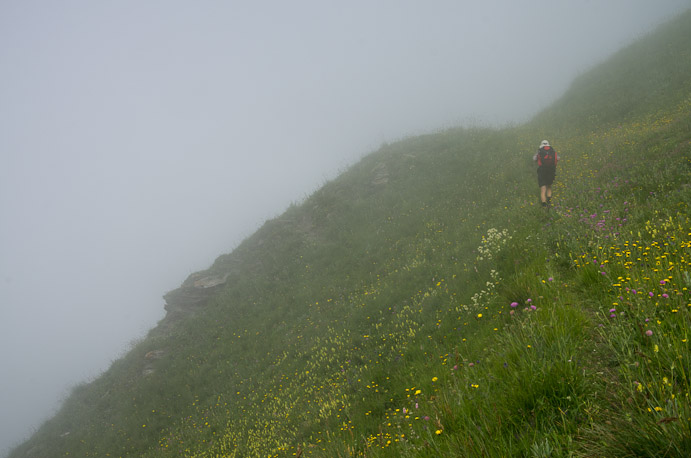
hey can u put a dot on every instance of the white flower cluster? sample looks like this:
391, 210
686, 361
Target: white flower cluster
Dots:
492, 243
484, 296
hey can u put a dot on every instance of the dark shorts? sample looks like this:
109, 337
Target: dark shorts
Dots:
545, 175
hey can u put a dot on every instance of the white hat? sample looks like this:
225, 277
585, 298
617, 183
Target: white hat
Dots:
544, 143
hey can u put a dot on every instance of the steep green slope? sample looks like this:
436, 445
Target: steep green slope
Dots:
421, 304
647, 76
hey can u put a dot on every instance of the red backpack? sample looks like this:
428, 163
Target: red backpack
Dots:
547, 156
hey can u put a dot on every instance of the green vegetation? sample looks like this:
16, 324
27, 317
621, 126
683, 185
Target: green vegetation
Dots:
422, 303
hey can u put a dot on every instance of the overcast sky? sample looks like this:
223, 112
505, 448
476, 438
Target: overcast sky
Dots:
141, 139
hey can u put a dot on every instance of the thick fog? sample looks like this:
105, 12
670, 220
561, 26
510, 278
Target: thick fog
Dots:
141, 139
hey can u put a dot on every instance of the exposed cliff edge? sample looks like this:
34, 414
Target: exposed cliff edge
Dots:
193, 293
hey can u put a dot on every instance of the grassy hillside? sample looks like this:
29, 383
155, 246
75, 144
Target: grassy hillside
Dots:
422, 303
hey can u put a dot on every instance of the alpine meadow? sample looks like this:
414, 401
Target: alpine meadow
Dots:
424, 304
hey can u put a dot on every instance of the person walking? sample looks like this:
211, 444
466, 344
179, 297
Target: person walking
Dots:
546, 158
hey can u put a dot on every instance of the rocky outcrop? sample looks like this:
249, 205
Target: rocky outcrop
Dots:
149, 359
194, 292
380, 174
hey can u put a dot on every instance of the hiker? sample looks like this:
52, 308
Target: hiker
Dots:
546, 159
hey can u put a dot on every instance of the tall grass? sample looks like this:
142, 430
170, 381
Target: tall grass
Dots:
422, 304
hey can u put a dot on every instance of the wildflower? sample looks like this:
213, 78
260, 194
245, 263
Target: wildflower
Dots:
514, 304
437, 432
649, 333
532, 307
455, 367
651, 294
612, 310
471, 364
665, 295
529, 300
426, 418
550, 279
434, 379
479, 315
662, 282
